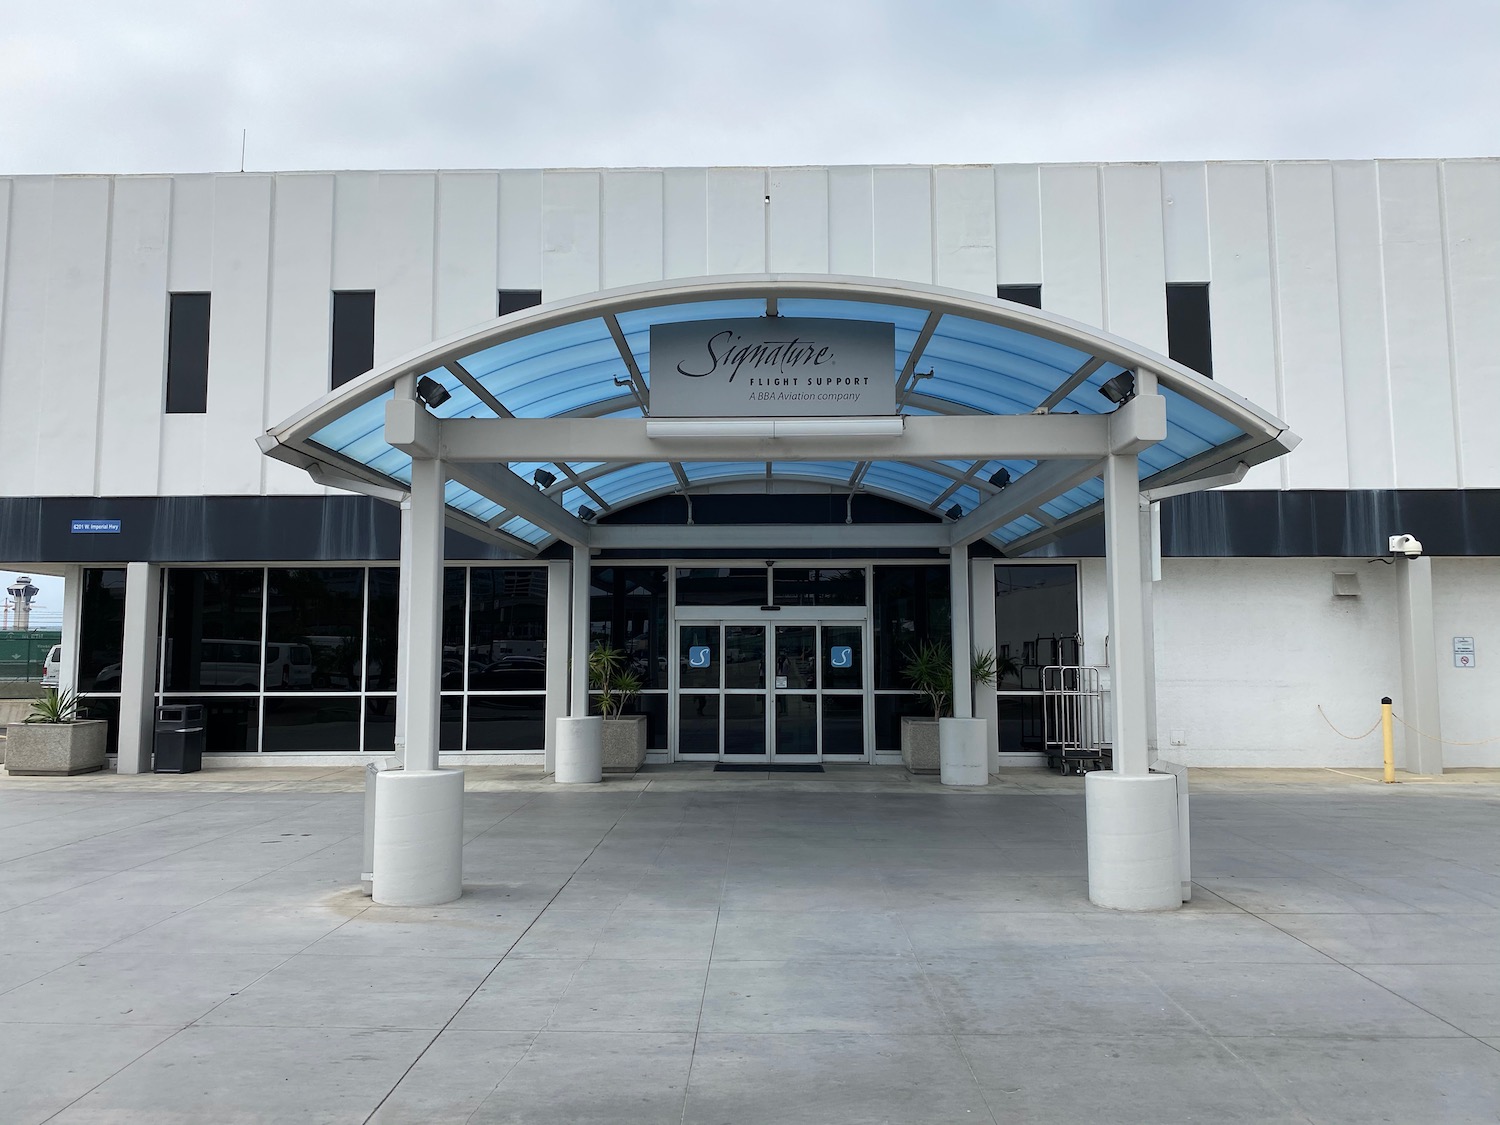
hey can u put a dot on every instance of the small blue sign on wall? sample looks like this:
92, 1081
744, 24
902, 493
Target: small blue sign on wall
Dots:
841, 656
96, 527
698, 656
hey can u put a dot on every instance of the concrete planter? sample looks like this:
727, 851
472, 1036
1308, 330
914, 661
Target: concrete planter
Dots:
919, 745
963, 751
580, 751
56, 749
624, 744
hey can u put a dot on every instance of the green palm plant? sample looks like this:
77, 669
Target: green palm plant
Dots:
613, 678
929, 669
55, 707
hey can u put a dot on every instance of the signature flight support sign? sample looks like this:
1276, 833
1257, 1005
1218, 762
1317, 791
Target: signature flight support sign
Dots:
773, 367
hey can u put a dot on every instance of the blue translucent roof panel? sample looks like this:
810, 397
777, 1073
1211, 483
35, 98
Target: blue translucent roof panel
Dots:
625, 484
1023, 525
919, 485
359, 434
552, 372
523, 529
992, 367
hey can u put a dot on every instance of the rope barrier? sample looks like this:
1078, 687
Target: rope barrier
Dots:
1376, 726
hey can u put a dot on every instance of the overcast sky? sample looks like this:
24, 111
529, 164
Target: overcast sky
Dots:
167, 85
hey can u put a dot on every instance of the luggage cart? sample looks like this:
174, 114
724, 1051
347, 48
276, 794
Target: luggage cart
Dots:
1073, 719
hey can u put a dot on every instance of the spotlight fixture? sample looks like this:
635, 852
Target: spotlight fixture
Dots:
954, 512
433, 393
543, 479
586, 514
1000, 478
1120, 389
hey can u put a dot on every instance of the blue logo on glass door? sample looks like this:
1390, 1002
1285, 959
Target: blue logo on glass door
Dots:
698, 656
841, 656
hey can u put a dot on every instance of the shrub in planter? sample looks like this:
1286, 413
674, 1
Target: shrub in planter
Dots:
616, 682
53, 741
929, 669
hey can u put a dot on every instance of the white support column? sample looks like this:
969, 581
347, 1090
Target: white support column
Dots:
1132, 813
138, 667
580, 736
419, 810
559, 646
1419, 680
982, 636
1150, 574
67, 672
963, 749
403, 631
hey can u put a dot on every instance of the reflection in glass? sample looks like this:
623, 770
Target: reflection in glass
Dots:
697, 723
844, 724
698, 656
721, 585
507, 722
507, 629
843, 662
911, 605
628, 611
1036, 621
101, 630
381, 642
453, 667
298, 723
212, 630
805, 586
315, 630
745, 724
796, 656
796, 723
744, 656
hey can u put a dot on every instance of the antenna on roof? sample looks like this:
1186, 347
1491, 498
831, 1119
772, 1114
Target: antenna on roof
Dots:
244, 133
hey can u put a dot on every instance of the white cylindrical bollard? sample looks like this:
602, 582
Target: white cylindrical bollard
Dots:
419, 837
1132, 832
963, 756
580, 751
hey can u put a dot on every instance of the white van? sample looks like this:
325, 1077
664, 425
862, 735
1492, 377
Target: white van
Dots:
52, 666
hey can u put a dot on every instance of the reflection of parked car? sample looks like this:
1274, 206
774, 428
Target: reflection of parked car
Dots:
512, 673
51, 666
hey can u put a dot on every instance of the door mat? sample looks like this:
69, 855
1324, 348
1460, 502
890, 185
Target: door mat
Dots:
773, 767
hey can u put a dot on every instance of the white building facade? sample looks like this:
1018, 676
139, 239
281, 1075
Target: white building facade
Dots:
1354, 300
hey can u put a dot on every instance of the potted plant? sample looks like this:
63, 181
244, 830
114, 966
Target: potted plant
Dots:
929, 669
617, 683
54, 741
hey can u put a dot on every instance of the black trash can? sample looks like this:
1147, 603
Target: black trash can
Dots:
179, 738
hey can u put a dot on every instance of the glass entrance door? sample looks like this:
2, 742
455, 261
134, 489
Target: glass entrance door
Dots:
751, 692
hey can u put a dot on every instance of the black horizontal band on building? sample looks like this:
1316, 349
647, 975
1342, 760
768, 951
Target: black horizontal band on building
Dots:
1302, 523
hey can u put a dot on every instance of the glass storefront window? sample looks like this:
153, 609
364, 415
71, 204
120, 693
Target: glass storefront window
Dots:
315, 630
380, 633
911, 605
628, 611
804, 586
211, 641
101, 630
230, 726
722, 585
311, 723
1036, 621
507, 629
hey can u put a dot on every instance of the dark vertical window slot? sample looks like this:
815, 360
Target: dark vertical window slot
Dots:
1021, 294
514, 300
353, 335
1189, 339
187, 353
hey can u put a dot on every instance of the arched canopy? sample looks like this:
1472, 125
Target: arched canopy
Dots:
1001, 372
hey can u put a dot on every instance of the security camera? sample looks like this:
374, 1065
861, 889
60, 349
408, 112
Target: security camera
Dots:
1407, 545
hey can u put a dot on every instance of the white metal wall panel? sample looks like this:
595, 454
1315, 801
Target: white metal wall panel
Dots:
66, 408
1072, 272
1312, 374
903, 223
190, 260
799, 220
1018, 225
1471, 192
356, 231
1361, 297
300, 342
851, 221
963, 208
520, 251
1184, 209
237, 336
468, 217
684, 222
405, 279
23, 341
13, 390
135, 343
1417, 325
1135, 296
735, 201
570, 234
1240, 299
632, 228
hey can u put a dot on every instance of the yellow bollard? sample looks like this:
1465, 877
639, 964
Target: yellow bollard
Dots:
1388, 734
